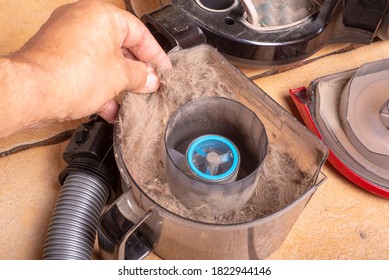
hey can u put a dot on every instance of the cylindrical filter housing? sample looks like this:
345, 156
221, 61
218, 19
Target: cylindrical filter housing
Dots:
214, 149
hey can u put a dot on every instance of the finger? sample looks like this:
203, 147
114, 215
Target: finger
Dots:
128, 54
137, 76
109, 111
141, 43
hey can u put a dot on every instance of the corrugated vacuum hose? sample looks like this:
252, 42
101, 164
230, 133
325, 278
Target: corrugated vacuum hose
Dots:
86, 185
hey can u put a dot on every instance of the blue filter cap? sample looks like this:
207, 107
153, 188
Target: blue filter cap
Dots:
213, 158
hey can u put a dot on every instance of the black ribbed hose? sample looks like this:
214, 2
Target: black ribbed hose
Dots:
73, 226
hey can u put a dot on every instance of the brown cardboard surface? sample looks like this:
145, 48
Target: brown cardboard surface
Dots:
341, 221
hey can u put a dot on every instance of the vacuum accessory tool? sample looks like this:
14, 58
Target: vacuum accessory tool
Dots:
349, 111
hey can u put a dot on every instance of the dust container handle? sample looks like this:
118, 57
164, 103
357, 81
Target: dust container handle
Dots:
127, 232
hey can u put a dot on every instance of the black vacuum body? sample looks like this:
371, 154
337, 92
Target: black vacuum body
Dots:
226, 26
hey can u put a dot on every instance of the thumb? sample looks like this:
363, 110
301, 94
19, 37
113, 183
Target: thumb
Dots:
142, 78
152, 81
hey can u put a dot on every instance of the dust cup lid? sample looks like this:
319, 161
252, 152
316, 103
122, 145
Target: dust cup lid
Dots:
213, 158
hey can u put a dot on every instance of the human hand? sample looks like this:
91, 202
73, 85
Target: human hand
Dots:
85, 55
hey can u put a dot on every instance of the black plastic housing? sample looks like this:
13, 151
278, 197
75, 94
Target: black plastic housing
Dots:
185, 24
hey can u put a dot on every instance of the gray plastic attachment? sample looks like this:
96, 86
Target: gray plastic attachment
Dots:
363, 112
214, 116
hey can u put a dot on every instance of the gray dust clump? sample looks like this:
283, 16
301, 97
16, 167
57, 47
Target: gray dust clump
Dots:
142, 123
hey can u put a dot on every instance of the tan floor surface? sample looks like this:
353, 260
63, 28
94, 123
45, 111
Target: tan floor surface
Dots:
341, 221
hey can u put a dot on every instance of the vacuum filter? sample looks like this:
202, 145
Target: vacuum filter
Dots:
214, 151
263, 15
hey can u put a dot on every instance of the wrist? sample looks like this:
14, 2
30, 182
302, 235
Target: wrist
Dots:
19, 84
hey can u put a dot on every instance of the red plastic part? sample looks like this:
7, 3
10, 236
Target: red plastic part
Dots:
298, 95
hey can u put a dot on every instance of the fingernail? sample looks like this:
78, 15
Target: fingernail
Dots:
152, 82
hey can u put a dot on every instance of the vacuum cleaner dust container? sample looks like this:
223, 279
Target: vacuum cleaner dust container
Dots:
218, 171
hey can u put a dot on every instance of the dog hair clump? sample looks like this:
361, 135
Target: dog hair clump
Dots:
142, 123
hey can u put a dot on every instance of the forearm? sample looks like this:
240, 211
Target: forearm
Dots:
20, 93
